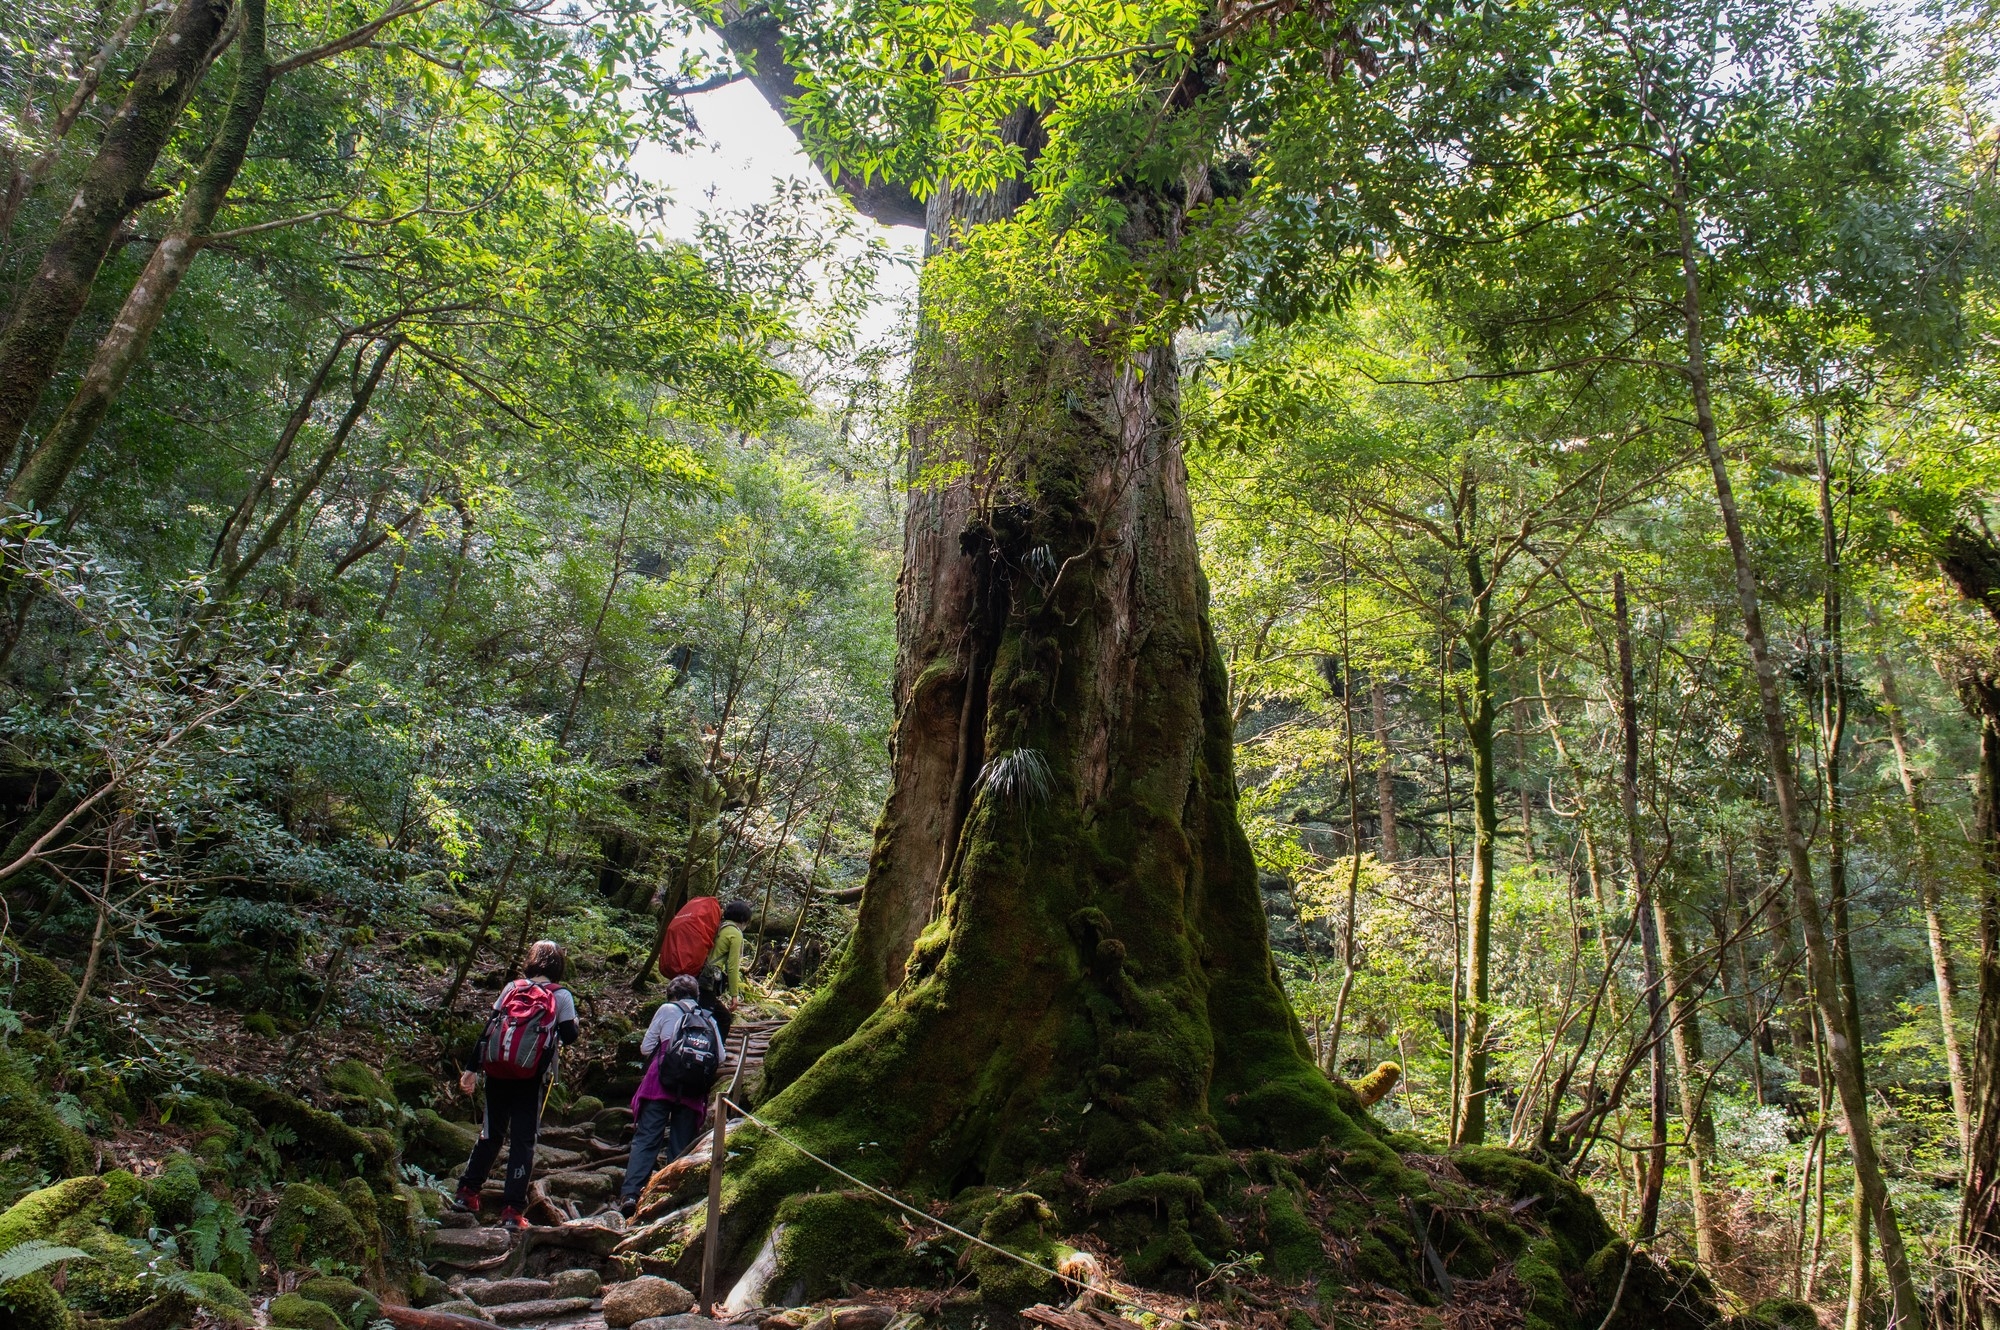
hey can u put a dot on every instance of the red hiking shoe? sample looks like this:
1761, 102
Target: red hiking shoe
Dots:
466, 1200
512, 1218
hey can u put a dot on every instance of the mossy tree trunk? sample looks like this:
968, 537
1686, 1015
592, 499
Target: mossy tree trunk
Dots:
1478, 713
1061, 965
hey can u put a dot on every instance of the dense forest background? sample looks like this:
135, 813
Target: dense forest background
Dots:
411, 550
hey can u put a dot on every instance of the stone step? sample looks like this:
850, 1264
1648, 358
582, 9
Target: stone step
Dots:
539, 1310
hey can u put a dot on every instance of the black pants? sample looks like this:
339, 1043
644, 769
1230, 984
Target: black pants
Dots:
513, 1114
660, 1124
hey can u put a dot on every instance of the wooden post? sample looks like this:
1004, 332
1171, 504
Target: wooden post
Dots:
718, 1156
711, 1243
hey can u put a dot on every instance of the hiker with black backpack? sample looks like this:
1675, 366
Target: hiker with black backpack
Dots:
685, 1051
533, 1016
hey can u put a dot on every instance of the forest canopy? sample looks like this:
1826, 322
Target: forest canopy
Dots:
1382, 702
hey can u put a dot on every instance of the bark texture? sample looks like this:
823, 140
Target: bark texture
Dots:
113, 186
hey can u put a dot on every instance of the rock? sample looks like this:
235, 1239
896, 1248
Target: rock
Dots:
292, 1312
575, 1284
427, 1290
353, 1303
550, 1159
460, 1307
542, 1309
468, 1244
589, 1188
493, 1292
683, 1322
457, 1219
313, 1225
648, 1297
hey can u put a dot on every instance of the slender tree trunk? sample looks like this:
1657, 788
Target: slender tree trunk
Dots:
22, 183
42, 477
112, 188
1844, 1057
1479, 717
1979, 1217
1649, 937
1943, 971
1711, 1241
1385, 775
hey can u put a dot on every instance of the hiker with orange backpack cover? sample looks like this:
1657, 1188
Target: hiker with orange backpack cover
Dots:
705, 939
533, 1016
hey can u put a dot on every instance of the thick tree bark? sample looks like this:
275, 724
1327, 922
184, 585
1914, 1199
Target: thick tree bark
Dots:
1097, 994
1843, 1055
113, 186
42, 477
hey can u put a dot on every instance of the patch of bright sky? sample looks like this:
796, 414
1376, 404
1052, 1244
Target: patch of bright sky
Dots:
745, 150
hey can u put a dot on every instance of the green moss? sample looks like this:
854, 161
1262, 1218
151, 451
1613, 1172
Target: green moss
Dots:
313, 1227
1540, 1268
41, 1213
259, 1022
1569, 1214
352, 1303
584, 1108
215, 1292
835, 1240
1780, 1314
292, 1312
358, 1080
40, 989
1162, 1218
317, 1135
433, 1144
1291, 1243
1677, 1297
1021, 1223
173, 1193
33, 1304
108, 1284
29, 1125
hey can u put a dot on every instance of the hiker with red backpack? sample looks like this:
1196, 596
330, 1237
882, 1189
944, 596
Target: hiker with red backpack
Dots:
684, 1048
705, 939
532, 1017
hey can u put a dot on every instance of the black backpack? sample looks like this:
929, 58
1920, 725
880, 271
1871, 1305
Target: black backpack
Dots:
690, 1060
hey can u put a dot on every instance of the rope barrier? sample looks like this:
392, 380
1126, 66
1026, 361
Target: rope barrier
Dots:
929, 1218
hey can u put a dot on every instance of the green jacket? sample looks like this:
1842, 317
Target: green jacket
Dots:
728, 954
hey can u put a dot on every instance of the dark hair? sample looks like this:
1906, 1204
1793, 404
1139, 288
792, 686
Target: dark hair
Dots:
545, 961
683, 986
737, 912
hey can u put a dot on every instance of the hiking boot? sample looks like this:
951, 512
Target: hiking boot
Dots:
512, 1218
628, 1207
467, 1201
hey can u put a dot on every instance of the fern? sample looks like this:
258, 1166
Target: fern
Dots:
23, 1259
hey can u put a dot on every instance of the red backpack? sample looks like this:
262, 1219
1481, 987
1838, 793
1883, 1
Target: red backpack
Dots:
521, 1033
690, 937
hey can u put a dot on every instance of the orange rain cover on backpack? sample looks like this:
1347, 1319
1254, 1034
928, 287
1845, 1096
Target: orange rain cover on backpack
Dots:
690, 937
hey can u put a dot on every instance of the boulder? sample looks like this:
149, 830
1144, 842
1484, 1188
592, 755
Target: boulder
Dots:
542, 1309
682, 1322
460, 1307
575, 1284
292, 1312
493, 1292
351, 1302
589, 1188
646, 1298
551, 1159
468, 1246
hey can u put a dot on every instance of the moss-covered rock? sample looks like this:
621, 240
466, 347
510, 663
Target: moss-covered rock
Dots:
173, 1193
358, 1080
1673, 1297
29, 1125
352, 1303
1778, 1314
313, 1227
289, 1311
1021, 1223
317, 1135
217, 1294
1568, 1213
261, 1023
33, 1304
108, 1284
435, 1144
835, 1240
37, 1214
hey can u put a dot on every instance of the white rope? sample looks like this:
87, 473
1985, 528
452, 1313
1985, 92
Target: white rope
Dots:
928, 1218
